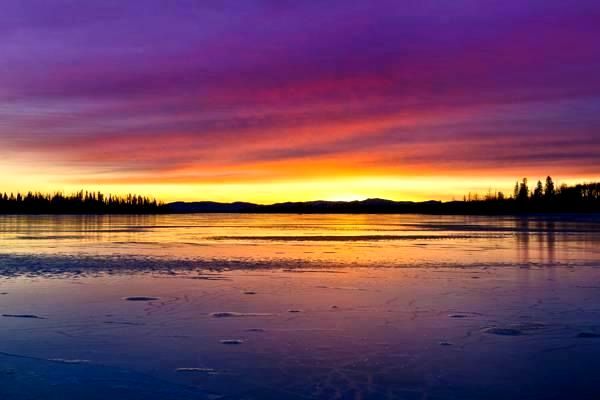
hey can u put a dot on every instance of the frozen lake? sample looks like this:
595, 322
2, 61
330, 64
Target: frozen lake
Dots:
299, 307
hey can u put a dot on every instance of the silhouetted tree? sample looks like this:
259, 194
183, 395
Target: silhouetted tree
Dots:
523, 194
549, 191
538, 193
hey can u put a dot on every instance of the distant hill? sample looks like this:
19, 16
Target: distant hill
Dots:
578, 199
374, 206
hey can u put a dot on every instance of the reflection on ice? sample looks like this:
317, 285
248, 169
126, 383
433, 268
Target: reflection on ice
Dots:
388, 240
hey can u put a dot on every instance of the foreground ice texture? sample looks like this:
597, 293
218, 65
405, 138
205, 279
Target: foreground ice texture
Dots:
159, 308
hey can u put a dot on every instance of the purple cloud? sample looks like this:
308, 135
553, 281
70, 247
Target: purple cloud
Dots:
192, 84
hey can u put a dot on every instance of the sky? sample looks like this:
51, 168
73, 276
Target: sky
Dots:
277, 100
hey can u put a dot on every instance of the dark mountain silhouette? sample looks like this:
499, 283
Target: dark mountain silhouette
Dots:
364, 206
368, 206
565, 199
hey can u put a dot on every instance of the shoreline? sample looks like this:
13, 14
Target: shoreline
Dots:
330, 212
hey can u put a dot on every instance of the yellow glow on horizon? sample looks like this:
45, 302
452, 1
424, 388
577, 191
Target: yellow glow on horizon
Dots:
27, 177
338, 189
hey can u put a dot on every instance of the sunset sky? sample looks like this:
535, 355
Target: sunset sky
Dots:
297, 100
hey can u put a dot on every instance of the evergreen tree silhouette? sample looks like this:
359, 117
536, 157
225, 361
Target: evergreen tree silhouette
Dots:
549, 191
538, 193
523, 194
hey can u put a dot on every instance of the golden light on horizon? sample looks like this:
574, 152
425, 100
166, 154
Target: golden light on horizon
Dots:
344, 188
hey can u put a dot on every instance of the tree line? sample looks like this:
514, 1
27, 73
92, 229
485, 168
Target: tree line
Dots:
544, 197
78, 203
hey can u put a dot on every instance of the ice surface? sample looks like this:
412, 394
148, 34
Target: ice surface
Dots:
400, 318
